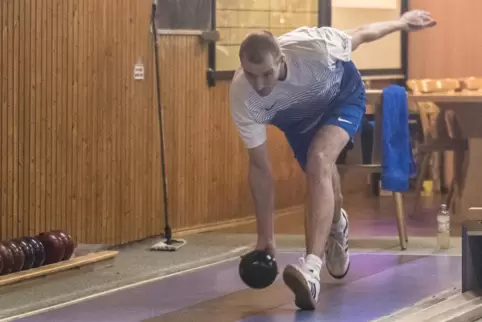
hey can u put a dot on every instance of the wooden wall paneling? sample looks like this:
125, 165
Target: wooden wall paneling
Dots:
64, 216
3, 123
79, 137
14, 100
116, 100
71, 129
6, 131
51, 119
80, 112
11, 175
39, 112
15, 167
20, 81
89, 139
25, 137
79, 146
47, 83
128, 134
451, 49
31, 90
104, 134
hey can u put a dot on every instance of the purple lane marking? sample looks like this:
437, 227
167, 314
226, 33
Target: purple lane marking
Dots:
355, 292
378, 295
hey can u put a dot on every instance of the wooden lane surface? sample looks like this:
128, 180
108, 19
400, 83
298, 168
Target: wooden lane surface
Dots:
467, 107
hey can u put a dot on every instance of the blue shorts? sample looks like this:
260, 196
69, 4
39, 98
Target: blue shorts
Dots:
347, 113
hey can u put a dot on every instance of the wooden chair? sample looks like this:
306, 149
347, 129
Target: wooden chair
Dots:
374, 106
441, 135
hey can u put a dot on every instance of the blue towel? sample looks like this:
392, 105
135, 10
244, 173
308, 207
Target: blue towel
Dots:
398, 163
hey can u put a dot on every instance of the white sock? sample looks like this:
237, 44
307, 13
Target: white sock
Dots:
340, 224
314, 262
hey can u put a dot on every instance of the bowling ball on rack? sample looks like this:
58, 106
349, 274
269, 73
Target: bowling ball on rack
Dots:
7, 258
53, 245
68, 242
28, 251
38, 249
18, 255
258, 269
63, 239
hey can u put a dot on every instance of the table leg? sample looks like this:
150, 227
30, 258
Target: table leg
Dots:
470, 190
467, 164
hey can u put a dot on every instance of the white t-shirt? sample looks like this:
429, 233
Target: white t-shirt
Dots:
313, 80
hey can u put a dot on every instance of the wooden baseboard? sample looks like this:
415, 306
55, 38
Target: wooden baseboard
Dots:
233, 222
56, 267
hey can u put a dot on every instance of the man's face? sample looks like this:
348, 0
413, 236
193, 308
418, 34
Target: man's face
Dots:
263, 76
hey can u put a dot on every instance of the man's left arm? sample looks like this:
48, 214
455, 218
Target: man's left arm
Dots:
409, 21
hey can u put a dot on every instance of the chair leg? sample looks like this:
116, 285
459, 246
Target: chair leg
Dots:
405, 226
402, 228
420, 179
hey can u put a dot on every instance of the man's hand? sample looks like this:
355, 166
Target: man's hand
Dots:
417, 20
268, 247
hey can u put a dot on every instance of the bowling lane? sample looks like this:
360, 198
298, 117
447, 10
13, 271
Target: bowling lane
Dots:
378, 295
376, 285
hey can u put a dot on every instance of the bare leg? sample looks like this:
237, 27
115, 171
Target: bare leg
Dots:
335, 177
338, 196
320, 172
324, 196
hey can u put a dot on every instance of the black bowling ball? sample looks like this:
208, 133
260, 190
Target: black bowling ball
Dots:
258, 269
28, 251
39, 251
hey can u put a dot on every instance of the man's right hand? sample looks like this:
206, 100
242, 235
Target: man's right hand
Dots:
268, 247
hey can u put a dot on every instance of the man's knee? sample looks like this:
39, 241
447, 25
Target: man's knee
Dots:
324, 151
319, 166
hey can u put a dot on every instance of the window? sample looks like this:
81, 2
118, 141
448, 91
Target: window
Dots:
184, 14
384, 53
236, 18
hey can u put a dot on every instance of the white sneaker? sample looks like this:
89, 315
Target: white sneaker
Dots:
337, 255
304, 282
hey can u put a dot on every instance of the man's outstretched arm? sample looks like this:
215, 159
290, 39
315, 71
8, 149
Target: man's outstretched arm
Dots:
409, 21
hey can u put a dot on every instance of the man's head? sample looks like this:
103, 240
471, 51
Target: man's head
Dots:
261, 60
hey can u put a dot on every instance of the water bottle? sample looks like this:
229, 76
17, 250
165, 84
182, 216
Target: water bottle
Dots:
443, 221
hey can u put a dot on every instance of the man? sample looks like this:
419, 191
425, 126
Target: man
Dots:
304, 83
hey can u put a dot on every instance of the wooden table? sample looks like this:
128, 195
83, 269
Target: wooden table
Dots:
467, 108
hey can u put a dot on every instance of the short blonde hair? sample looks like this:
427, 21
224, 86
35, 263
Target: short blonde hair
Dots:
257, 45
